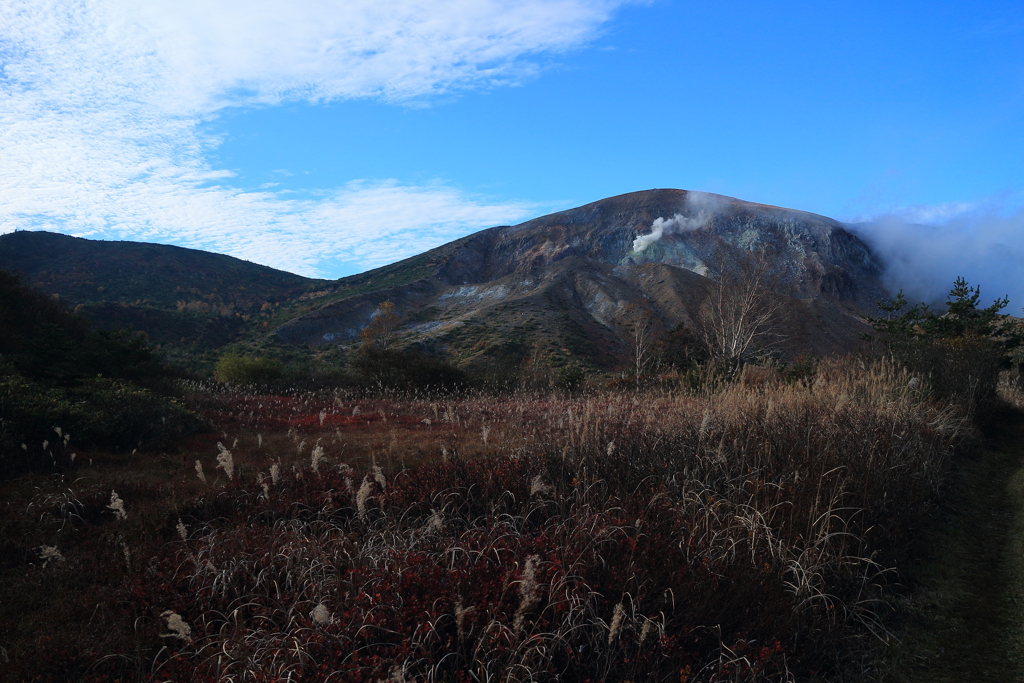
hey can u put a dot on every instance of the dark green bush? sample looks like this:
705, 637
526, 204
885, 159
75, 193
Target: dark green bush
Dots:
101, 413
803, 368
41, 339
108, 390
960, 352
571, 377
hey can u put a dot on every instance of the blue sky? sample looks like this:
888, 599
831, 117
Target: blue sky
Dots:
330, 137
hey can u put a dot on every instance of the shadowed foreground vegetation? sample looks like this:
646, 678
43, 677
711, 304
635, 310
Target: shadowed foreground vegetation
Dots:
62, 379
747, 534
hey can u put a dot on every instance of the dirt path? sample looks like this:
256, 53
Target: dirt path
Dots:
969, 611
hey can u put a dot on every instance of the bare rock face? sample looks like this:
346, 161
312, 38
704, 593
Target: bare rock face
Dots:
697, 231
564, 283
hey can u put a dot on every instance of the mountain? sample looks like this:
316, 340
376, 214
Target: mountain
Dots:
566, 285
184, 299
558, 288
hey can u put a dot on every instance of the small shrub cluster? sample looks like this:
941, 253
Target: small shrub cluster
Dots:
960, 352
99, 413
42, 340
405, 370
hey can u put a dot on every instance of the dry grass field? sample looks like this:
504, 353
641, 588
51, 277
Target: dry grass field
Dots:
752, 531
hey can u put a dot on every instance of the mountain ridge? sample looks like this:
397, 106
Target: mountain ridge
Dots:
583, 263
185, 299
556, 287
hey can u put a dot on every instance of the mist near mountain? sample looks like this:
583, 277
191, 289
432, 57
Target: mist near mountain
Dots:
985, 245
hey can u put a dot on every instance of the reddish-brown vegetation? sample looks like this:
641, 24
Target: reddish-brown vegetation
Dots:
744, 535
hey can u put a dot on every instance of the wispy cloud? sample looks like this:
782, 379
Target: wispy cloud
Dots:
102, 101
925, 248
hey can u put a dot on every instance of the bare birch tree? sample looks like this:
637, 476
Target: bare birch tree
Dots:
643, 329
742, 317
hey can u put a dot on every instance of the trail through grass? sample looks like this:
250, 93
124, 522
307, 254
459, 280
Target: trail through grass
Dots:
969, 624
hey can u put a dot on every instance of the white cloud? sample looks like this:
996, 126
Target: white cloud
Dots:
328, 49
926, 248
926, 214
102, 101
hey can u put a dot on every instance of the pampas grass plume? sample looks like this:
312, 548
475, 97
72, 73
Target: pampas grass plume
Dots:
362, 496
50, 552
177, 626
117, 505
317, 458
616, 625
529, 592
321, 615
225, 461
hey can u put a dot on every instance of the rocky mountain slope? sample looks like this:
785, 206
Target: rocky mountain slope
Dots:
569, 284
559, 288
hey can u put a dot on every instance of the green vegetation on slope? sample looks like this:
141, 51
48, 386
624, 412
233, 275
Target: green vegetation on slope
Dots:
188, 302
161, 276
59, 376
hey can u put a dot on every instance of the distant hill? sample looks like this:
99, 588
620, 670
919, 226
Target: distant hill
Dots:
61, 376
555, 289
182, 298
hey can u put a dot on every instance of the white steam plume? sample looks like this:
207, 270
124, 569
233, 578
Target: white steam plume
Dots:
924, 250
703, 204
673, 226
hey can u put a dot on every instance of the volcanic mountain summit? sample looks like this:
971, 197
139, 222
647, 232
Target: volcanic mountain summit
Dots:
567, 283
556, 289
